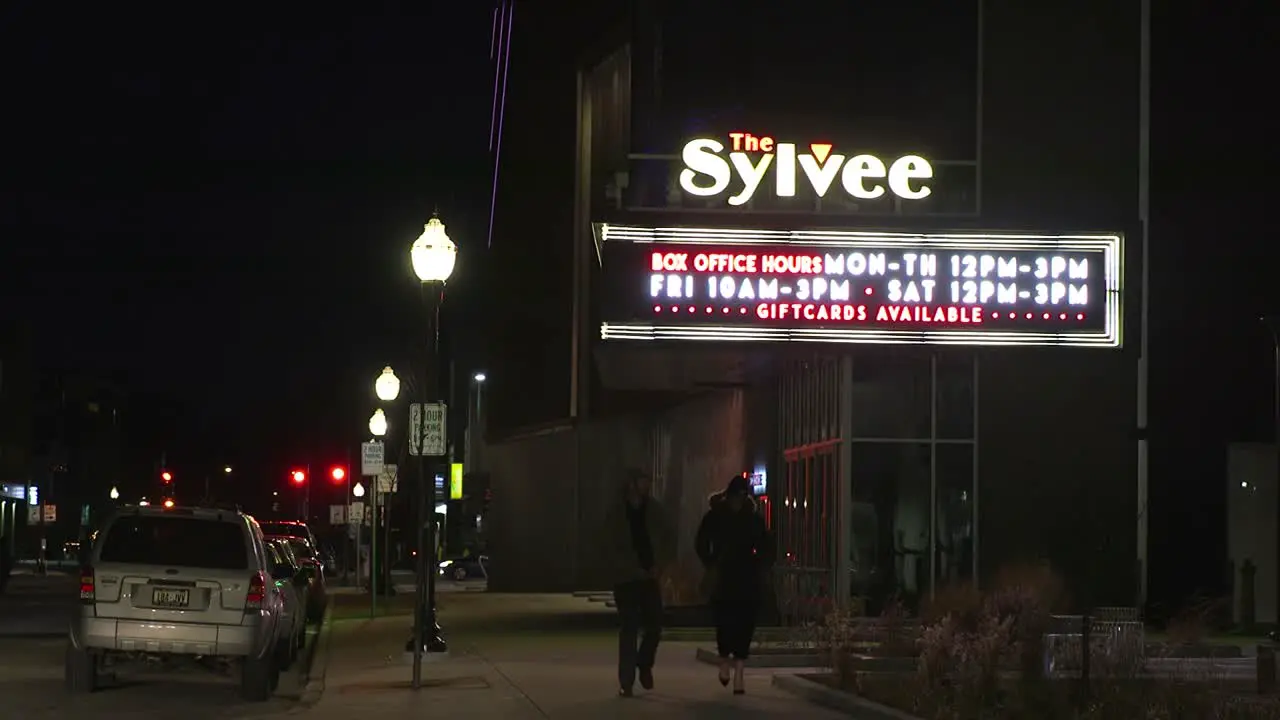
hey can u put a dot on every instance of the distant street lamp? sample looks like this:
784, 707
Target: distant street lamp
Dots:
227, 469
358, 490
433, 256
115, 493
474, 422
387, 386
378, 423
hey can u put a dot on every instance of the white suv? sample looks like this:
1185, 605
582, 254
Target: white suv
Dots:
179, 584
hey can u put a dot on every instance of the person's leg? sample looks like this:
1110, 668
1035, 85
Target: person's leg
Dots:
628, 606
651, 627
745, 630
724, 636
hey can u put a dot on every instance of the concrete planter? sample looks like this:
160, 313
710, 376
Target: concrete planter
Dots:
848, 703
1193, 650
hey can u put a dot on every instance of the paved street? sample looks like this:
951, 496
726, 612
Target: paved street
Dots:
33, 622
36, 605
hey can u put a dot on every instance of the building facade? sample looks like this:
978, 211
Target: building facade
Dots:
907, 427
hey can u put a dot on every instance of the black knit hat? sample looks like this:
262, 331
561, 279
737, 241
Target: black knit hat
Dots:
738, 485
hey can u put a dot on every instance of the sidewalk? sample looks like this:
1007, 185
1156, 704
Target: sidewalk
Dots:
525, 657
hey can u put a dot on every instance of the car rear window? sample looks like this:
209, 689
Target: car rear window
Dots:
283, 529
301, 548
175, 541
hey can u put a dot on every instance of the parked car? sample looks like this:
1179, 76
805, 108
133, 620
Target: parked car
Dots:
290, 528
179, 585
317, 591
292, 579
472, 567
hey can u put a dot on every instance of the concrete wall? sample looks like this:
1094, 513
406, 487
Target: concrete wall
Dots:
1251, 523
1057, 467
552, 487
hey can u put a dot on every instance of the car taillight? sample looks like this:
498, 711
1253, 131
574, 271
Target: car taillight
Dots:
86, 585
257, 593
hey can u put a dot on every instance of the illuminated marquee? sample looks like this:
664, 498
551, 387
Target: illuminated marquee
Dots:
860, 287
865, 177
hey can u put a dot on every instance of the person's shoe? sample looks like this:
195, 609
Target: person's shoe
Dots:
724, 673
625, 692
646, 678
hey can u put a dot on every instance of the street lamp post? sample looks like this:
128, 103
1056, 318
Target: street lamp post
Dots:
377, 426
473, 420
356, 491
433, 256
1272, 323
387, 388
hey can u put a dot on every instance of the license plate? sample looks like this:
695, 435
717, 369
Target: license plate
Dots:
170, 597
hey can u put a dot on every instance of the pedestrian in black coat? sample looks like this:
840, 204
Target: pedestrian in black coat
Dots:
734, 546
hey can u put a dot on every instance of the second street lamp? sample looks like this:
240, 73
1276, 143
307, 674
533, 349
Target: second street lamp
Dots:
433, 256
387, 386
378, 423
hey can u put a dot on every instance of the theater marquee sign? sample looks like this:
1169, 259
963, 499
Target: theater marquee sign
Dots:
860, 287
742, 163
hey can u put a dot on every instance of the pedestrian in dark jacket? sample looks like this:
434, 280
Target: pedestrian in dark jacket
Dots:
734, 546
639, 544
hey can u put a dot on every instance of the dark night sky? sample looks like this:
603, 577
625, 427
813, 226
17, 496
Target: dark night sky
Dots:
218, 214
221, 215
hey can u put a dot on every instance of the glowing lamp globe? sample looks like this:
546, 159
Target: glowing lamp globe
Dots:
115, 493
378, 423
358, 490
433, 253
387, 386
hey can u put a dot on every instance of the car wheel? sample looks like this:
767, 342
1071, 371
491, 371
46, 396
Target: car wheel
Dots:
81, 670
258, 677
459, 574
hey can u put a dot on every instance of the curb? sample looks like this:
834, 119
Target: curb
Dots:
764, 660
319, 666
847, 703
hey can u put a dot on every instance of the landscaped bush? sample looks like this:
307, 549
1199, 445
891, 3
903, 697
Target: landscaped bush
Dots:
981, 656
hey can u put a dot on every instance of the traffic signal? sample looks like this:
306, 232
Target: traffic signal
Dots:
338, 473
299, 477
168, 503
166, 477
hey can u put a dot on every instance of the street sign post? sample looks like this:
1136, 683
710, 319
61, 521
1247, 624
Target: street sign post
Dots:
415, 429
372, 456
427, 429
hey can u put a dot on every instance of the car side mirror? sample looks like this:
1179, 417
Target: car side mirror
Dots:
282, 572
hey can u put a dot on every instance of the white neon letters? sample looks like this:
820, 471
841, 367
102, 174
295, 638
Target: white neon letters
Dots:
708, 174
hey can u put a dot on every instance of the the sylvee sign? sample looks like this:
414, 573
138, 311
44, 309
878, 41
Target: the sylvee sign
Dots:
707, 173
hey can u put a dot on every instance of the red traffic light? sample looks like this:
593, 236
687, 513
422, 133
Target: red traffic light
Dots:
166, 476
299, 477
338, 474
